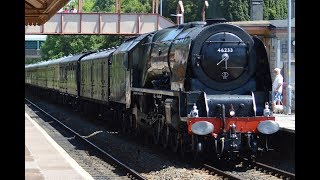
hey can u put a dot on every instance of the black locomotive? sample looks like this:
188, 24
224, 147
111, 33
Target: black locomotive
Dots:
196, 87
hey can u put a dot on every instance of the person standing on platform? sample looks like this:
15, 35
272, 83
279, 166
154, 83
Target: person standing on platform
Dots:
277, 88
65, 10
73, 10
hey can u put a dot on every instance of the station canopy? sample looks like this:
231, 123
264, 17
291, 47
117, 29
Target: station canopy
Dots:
37, 12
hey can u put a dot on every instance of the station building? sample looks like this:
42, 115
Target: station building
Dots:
32, 45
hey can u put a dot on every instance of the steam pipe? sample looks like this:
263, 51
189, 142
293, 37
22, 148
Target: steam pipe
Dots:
223, 109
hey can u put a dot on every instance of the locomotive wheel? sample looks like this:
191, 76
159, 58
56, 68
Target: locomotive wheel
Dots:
182, 147
81, 107
135, 127
145, 137
116, 118
130, 124
156, 132
64, 100
195, 154
85, 108
174, 141
165, 136
123, 123
77, 105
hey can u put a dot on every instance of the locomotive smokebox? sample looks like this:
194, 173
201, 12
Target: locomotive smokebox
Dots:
215, 21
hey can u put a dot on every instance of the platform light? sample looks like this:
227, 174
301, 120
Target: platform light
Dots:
231, 111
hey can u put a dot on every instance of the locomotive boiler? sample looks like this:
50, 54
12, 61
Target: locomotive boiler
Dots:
200, 87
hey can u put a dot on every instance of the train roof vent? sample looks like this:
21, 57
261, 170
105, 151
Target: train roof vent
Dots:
215, 21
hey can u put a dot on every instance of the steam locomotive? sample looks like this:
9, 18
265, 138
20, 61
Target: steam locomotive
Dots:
199, 87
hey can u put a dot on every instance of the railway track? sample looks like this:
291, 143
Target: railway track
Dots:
156, 169
131, 173
249, 170
268, 169
219, 172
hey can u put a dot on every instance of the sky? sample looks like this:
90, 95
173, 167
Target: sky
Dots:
35, 37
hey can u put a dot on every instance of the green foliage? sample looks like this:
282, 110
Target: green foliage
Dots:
127, 6
214, 10
235, 10
87, 5
57, 46
275, 9
73, 3
192, 9
104, 6
135, 6
32, 60
232, 10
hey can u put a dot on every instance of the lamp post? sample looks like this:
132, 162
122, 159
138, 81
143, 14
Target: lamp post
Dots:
79, 6
289, 61
161, 7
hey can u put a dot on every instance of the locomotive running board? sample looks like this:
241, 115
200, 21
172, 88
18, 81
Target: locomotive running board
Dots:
154, 91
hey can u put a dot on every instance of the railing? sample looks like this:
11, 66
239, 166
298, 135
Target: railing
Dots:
100, 23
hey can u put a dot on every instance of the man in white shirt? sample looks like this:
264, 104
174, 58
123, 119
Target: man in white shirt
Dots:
277, 88
73, 10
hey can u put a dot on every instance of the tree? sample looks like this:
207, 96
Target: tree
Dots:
57, 46
275, 9
192, 9
135, 6
232, 10
32, 60
104, 6
87, 5
235, 10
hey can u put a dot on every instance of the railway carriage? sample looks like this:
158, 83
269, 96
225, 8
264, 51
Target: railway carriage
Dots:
53, 75
94, 78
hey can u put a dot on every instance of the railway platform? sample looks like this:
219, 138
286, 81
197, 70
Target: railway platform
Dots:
286, 122
45, 159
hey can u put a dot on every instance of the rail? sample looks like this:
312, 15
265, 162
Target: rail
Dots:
104, 154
